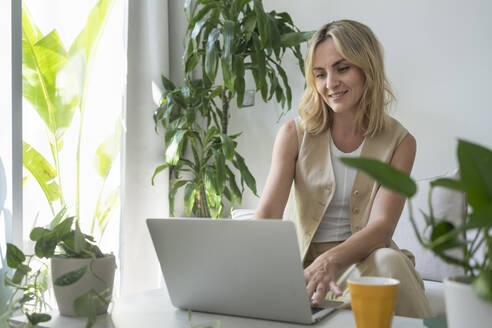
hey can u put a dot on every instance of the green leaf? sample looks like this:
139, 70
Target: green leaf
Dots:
87, 40
63, 228
189, 197
71, 277
440, 229
187, 9
228, 76
20, 273
35, 318
482, 285
236, 193
37, 233
58, 217
274, 35
476, 176
103, 212
108, 151
228, 42
44, 83
201, 13
212, 55
84, 306
42, 171
482, 217
191, 62
227, 146
168, 84
45, 245
385, 174
249, 23
210, 183
220, 171
197, 28
448, 183
173, 151
211, 132
172, 193
292, 39
15, 257
262, 22
245, 173
158, 170
285, 81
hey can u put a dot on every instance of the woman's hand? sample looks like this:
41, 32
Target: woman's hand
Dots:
320, 278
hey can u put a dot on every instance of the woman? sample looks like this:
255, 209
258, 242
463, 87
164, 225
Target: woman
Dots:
344, 220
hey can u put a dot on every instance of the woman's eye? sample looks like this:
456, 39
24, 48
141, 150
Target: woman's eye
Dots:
319, 75
343, 69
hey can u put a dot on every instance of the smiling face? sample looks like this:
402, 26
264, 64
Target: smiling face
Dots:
339, 83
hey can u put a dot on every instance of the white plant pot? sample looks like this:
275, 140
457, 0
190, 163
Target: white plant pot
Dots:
463, 307
103, 267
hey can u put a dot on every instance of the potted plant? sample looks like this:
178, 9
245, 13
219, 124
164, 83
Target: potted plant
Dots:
468, 298
82, 275
238, 36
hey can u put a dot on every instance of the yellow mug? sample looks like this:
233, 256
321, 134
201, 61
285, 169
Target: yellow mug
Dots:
373, 301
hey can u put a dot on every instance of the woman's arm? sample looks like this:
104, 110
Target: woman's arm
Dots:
279, 181
385, 213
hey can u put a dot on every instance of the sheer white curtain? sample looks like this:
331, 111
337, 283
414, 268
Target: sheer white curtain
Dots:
147, 50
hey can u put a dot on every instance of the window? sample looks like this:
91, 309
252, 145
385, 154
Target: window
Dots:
6, 126
72, 99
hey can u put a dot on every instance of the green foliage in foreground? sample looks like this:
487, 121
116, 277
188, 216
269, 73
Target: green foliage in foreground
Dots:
475, 165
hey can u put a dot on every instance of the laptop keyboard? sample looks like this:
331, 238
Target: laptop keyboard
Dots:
316, 309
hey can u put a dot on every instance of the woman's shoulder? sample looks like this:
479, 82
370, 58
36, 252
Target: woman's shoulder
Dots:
392, 128
288, 130
287, 136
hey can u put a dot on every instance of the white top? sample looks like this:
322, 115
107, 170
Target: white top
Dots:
335, 225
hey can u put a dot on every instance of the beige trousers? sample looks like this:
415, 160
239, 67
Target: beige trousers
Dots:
383, 262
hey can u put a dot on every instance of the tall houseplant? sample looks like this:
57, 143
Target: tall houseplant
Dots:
440, 235
236, 36
55, 82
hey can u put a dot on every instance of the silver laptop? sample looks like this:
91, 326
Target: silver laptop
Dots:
245, 268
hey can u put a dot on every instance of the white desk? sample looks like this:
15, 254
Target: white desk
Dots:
154, 309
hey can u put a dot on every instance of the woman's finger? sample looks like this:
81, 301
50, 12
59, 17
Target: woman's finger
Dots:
319, 295
311, 288
334, 288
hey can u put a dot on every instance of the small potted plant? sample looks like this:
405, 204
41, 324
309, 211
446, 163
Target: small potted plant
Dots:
468, 298
82, 275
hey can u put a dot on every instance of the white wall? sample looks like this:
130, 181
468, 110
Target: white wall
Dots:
438, 58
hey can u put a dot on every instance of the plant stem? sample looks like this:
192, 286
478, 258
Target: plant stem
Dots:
77, 157
98, 204
414, 225
203, 198
225, 110
429, 200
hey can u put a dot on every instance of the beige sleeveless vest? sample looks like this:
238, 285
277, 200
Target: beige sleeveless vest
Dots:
314, 181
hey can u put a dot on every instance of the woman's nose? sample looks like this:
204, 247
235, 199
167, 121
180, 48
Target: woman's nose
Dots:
332, 81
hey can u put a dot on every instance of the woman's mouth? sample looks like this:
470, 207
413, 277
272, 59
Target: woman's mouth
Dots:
337, 95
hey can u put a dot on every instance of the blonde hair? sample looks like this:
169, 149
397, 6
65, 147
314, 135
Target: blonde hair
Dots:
357, 44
